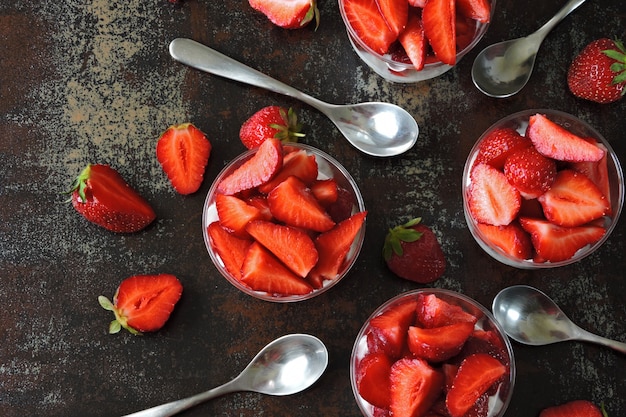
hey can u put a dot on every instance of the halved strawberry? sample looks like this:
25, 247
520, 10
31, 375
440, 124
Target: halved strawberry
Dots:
290, 14
372, 379
333, 246
439, 19
475, 375
498, 145
556, 243
234, 214
479, 10
491, 198
183, 151
325, 191
231, 249
369, 24
395, 13
438, 344
554, 141
143, 303
432, 312
414, 42
257, 170
530, 172
290, 245
573, 200
390, 328
415, 386
293, 203
511, 239
597, 172
261, 271
297, 164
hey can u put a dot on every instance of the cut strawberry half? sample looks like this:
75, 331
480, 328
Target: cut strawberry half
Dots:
498, 145
390, 328
297, 164
261, 271
415, 386
439, 19
432, 312
414, 42
231, 249
369, 24
512, 239
372, 379
479, 10
234, 214
475, 375
395, 13
257, 170
491, 198
438, 344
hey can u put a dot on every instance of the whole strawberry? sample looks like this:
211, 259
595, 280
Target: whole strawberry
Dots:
412, 252
598, 73
576, 408
270, 122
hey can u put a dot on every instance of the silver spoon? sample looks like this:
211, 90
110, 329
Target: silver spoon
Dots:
377, 129
288, 365
503, 69
531, 317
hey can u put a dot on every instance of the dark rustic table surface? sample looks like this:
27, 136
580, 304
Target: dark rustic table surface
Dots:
91, 81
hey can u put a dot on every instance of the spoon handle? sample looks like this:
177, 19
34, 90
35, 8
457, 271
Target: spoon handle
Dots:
590, 337
569, 7
203, 58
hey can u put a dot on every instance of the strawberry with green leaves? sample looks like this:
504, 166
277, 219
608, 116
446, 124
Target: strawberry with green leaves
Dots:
270, 122
575, 408
598, 73
288, 14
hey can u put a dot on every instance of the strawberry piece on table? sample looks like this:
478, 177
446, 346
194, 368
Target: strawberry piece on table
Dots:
413, 252
292, 14
261, 271
438, 344
530, 172
573, 200
439, 19
598, 73
395, 13
512, 239
143, 303
554, 141
234, 214
576, 408
556, 243
432, 312
391, 327
101, 195
414, 42
415, 386
373, 372
475, 375
183, 152
479, 10
293, 203
230, 248
498, 145
257, 170
491, 198
270, 122
369, 24
297, 164
292, 246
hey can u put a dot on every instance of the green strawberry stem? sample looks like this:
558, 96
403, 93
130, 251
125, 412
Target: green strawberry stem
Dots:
290, 131
618, 67
402, 233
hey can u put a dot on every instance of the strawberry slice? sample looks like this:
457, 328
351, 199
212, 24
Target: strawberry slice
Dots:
231, 249
575, 408
475, 375
292, 246
333, 246
234, 214
573, 200
395, 13
598, 172
491, 198
261, 271
292, 14
415, 386
530, 172
369, 24
101, 195
439, 19
511, 239
554, 141
257, 170
297, 164
293, 203
414, 42
479, 10
432, 312
325, 191
555, 243
438, 344
143, 303
498, 145
260, 202
390, 329
183, 152
372, 379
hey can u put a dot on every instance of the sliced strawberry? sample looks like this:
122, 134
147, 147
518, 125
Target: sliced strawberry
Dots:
479, 10
297, 164
530, 172
293, 203
395, 13
390, 328
183, 151
415, 386
325, 191
512, 239
554, 141
474, 377
556, 243
260, 202
432, 312
292, 14
261, 271
333, 246
573, 200
498, 145
576, 408
290, 245
439, 19
234, 214
343, 207
449, 371
438, 344
491, 198
418, 3
257, 170
487, 342
143, 303
597, 172
231, 249
369, 24
414, 42
465, 31
372, 379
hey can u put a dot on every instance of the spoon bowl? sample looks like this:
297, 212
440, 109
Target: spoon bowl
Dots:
530, 317
377, 129
287, 365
